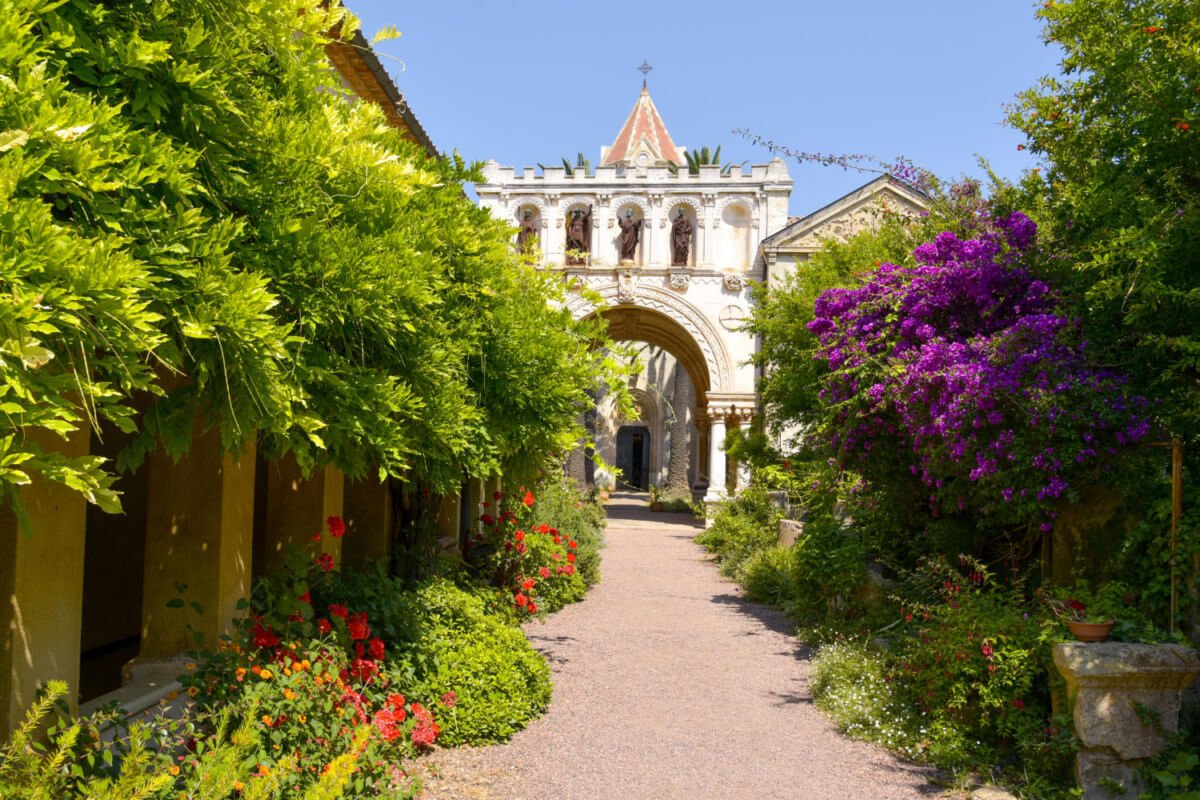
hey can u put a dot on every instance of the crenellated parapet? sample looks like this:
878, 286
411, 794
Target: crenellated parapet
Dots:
729, 213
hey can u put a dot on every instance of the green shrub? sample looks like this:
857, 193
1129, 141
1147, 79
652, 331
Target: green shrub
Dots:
851, 682
743, 526
829, 569
498, 681
562, 505
767, 576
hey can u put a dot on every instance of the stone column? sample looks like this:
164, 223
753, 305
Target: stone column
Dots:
199, 535
741, 420
41, 586
297, 508
677, 465
716, 458
367, 506
448, 522
1111, 687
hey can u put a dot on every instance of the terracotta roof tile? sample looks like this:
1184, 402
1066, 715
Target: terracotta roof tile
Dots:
644, 123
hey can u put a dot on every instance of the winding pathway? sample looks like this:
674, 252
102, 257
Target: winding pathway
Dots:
669, 686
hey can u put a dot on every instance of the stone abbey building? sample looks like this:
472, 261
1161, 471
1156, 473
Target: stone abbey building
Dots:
671, 253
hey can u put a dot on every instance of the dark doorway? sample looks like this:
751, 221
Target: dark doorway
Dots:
633, 456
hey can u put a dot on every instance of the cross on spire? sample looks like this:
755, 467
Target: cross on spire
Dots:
645, 70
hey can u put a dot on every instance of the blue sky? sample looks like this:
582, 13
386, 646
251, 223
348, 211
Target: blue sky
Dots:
536, 81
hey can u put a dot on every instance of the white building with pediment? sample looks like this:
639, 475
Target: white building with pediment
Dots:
686, 308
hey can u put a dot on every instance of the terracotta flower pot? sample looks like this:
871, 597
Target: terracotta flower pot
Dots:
1090, 631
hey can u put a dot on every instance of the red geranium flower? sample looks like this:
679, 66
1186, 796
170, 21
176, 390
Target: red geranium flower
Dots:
571, 557
357, 625
545, 572
486, 519
572, 544
324, 562
986, 649
528, 584
449, 699
519, 536
521, 600
377, 649
533, 608
337, 526
323, 626
528, 500
338, 610
264, 636
304, 598
521, 548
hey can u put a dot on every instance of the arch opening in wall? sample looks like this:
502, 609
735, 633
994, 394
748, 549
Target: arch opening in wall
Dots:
735, 250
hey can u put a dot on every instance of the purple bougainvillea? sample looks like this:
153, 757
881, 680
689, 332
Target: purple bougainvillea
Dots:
963, 372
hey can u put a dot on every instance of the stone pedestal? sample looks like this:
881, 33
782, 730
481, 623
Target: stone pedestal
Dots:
1124, 696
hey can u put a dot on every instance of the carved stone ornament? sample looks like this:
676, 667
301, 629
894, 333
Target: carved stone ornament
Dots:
626, 287
679, 281
734, 283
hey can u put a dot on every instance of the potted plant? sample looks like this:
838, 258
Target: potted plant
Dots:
656, 501
1083, 626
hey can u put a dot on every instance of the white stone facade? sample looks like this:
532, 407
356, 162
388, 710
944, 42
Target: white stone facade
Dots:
693, 311
704, 300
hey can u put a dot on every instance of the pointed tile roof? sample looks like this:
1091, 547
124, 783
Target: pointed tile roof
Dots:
643, 132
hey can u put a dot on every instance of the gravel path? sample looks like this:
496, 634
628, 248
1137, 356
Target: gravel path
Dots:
668, 685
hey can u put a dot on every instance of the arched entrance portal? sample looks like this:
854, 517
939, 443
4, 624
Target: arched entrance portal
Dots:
634, 443
666, 444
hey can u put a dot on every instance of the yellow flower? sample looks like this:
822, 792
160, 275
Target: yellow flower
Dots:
303, 719
287, 672
238, 786
265, 675
193, 691
289, 694
267, 720
305, 664
174, 769
190, 666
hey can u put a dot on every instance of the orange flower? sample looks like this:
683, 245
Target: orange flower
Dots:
174, 770
289, 694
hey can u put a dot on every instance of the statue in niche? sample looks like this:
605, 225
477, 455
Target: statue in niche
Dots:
579, 236
528, 235
681, 239
631, 233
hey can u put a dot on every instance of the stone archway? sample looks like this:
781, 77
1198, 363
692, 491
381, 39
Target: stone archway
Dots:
662, 319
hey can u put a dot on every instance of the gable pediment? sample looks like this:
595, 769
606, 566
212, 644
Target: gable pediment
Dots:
857, 211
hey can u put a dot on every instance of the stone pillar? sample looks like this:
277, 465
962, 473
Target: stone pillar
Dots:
702, 451
199, 535
576, 466
448, 522
716, 458
367, 507
41, 585
677, 465
1111, 686
297, 508
741, 473
475, 496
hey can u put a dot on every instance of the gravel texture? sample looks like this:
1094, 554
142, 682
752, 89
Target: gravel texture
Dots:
667, 684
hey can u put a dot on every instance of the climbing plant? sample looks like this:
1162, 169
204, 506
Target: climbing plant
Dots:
200, 232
